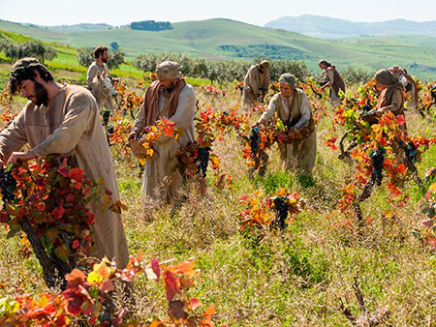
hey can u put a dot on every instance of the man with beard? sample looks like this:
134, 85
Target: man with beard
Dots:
64, 120
101, 55
168, 97
256, 83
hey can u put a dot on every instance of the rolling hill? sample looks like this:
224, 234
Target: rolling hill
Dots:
225, 39
333, 28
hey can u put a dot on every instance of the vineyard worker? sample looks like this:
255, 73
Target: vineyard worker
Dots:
168, 97
292, 107
101, 55
391, 97
333, 80
408, 83
256, 83
61, 119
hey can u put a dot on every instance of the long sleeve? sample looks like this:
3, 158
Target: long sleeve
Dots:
138, 124
269, 112
397, 101
331, 77
13, 138
266, 81
253, 80
92, 70
81, 112
304, 111
185, 112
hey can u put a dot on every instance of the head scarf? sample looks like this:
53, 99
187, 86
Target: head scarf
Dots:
385, 77
168, 70
288, 78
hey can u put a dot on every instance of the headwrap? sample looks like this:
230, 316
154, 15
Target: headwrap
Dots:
265, 64
168, 69
288, 78
151, 101
385, 77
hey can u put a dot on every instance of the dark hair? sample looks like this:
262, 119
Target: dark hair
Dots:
99, 51
325, 63
21, 74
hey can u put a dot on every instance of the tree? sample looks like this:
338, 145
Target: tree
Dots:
35, 49
115, 46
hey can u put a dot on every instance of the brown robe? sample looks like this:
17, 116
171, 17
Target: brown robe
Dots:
336, 84
77, 131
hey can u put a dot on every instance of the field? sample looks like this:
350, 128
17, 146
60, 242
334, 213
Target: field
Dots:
269, 278
225, 39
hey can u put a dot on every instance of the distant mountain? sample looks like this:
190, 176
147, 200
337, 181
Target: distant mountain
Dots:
333, 28
225, 39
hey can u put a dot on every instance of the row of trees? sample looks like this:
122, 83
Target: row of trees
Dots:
35, 49
151, 25
220, 71
228, 71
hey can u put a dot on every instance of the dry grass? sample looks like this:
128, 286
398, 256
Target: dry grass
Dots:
292, 278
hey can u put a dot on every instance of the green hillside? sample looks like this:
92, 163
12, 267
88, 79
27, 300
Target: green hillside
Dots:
227, 39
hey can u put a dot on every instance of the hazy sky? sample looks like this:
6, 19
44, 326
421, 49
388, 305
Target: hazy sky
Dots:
121, 12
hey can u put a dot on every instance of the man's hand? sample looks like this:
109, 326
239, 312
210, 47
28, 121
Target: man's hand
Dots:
21, 156
379, 112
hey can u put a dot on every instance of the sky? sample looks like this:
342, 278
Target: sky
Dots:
120, 12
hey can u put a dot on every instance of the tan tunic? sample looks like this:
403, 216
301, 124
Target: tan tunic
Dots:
92, 71
76, 131
299, 155
254, 83
162, 180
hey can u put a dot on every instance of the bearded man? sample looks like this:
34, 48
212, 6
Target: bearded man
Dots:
64, 120
172, 98
101, 55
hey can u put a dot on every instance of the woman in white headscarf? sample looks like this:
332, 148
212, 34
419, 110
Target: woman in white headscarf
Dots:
292, 107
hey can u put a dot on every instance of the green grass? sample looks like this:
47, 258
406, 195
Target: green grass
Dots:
206, 39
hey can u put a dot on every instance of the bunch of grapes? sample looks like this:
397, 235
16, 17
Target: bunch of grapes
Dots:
7, 186
203, 160
254, 140
378, 158
281, 206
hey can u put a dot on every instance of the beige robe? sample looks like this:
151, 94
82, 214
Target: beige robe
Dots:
254, 83
162, 180
299, 155
76, 131
92, 71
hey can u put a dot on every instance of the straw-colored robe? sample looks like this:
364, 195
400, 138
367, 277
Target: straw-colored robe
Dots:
254, 83
300, 155
76, 131
92, 71
162, 180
